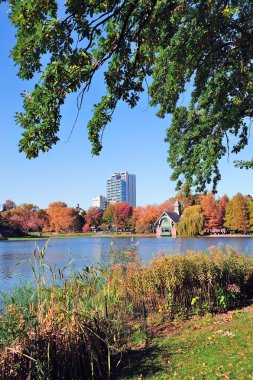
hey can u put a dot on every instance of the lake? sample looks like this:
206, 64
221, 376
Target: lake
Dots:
15, 255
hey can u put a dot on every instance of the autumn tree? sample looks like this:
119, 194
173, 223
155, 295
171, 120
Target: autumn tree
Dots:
185, 200
209, 209
26, 218
108, 216
165, 206
61, 217
55, 211
237, 214
7, 209
43, 219
191, 223
93, 217
8, 205
156, 45
136, 220
250, 207
78, 223
222, 205
144, 218
122, 215
86, 228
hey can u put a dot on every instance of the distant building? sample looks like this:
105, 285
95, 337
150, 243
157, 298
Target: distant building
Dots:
100, 201
79, 209
166, 223
121, 187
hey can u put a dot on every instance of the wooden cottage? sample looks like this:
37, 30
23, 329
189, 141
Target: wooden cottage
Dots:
166, 223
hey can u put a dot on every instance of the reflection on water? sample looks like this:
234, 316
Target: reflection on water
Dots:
15, 255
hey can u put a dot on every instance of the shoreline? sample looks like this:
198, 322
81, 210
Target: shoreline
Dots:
116, 236
79, 235
228, 235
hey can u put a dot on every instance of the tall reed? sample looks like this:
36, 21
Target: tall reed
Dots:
196, 282
62, 330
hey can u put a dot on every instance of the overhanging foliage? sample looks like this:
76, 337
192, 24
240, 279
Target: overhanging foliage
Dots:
168, 42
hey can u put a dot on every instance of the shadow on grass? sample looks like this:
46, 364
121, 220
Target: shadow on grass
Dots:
139, 363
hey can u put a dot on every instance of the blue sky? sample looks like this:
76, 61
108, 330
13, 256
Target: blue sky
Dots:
133, 142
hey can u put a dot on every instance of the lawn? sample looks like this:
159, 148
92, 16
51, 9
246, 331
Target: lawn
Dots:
210, 347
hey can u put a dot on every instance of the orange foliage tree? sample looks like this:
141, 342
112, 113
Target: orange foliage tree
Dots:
137, 219
61, 217
145, 217
165, 206
185, 200
209, 209
237, 214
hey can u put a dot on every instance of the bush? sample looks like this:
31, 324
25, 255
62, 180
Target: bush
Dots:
86, 228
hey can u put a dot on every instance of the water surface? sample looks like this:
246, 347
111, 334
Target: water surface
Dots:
15, 255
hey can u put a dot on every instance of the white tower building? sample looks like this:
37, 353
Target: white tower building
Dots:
121, 187
100, 201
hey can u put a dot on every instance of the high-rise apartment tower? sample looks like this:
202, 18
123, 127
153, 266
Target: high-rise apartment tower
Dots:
121, 187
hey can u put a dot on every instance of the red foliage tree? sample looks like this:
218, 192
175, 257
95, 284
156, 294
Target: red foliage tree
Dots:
222, 205
93, 217
86, 228
8, 205
26, 218
122, 215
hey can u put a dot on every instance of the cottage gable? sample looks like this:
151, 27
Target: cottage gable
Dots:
166, 223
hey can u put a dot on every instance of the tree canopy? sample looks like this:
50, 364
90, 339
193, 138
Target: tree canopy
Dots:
155, 45
237, 213
191, 223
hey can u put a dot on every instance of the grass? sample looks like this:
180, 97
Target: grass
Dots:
79, 234
210, 347
44, 236
28, 238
